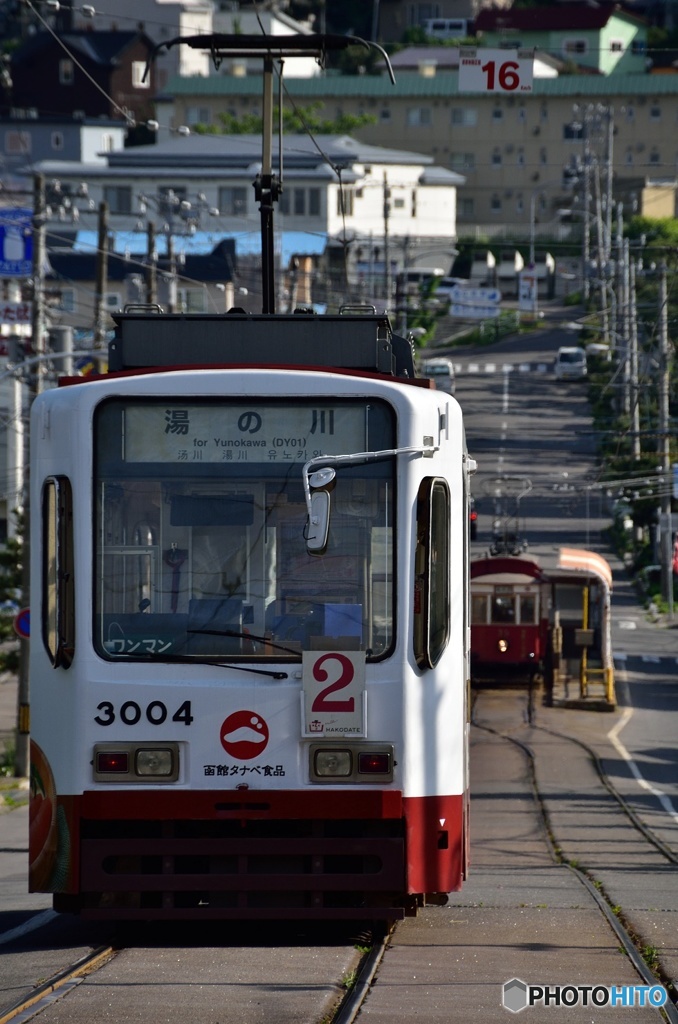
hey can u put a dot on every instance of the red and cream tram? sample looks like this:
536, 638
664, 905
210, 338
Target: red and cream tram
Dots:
248, 657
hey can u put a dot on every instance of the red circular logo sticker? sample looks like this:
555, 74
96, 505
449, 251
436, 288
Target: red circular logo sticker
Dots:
244, 734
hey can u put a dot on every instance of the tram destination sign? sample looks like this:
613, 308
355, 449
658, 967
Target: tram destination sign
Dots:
253, 432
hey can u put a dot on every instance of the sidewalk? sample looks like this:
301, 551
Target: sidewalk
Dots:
13, 792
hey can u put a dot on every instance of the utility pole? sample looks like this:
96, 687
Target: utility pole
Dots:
151, 265
38, 339
387, 253
635, 393
666, 532
39, 329
102, 276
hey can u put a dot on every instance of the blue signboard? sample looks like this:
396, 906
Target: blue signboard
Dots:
16, 243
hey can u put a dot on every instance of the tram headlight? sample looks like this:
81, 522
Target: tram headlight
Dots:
156, 761
336, 763
143, 763
503, 646
360, 761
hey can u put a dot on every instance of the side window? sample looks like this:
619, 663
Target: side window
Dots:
58, 605
432, 573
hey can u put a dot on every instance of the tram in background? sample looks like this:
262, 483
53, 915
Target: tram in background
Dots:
509, 619
249, 655
534, 623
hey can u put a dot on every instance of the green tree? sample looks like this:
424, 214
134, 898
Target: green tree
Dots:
300, 119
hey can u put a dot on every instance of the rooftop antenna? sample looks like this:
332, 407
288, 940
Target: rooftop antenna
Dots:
268, 186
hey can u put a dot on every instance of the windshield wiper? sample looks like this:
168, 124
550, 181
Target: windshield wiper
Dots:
245, 636
244, 668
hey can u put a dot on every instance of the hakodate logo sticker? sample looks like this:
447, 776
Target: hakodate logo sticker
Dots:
244, 735
517, 995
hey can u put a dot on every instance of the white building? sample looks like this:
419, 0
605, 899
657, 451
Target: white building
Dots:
162, 20
334, 187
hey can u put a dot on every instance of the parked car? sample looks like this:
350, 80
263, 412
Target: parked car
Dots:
570, 364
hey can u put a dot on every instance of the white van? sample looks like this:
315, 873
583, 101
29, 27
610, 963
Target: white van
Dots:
570, 363
441, 371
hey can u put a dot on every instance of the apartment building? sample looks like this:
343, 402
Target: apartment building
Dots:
519, 155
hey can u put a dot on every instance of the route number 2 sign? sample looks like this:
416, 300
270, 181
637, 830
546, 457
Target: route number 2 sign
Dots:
333, 694
483, 70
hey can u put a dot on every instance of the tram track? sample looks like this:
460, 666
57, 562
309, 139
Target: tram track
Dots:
632, 944
59, 985
351, 986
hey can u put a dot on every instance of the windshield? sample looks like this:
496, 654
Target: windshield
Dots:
571, 357
199, 544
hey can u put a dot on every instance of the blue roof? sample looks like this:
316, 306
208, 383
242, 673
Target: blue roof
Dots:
247, 243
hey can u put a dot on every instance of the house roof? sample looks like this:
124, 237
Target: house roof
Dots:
566, 17
238, 150
100, 47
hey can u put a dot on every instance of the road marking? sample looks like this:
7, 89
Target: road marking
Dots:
627, 624
613, 736
28, 926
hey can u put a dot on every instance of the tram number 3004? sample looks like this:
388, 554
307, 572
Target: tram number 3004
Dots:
130, 713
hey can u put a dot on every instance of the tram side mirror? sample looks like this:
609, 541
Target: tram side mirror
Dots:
318, 525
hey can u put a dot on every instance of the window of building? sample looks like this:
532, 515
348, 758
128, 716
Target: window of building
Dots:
628, 157
520, 158
314, 202
574, 46
138, 72
57, 141
192, 300
522, 115
119, 198
497, 114
464, 117
198, 115
574, 131
399, 203
17, 143
113, 301
630, 112
462, 161
465, 208
67, 301
233, 200
345, 197
384, 114
655, 112
495, 203
616, 46
107, 143
66, 72
543, 157
418, 117
299, 196
655, 158
496, 158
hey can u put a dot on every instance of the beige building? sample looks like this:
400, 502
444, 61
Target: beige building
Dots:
523, 157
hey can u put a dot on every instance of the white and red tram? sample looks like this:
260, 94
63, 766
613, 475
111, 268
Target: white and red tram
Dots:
249, 657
